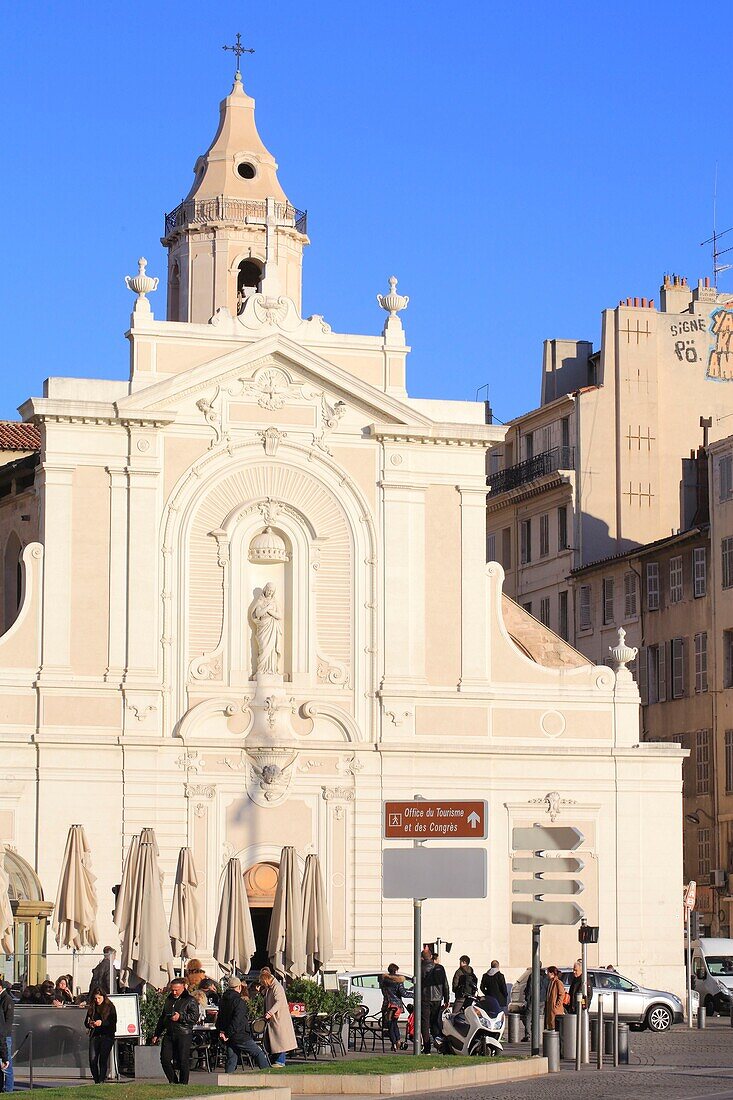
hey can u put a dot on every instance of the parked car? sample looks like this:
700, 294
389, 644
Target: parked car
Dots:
712, 973
366, 984
650, 1008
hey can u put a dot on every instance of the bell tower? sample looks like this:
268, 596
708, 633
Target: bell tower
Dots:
235, 234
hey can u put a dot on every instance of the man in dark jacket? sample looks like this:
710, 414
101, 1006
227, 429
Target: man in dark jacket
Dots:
576, 987
544, 983
100, 975
175, 1027
7, 1012
465, 983
235, 1028
493, 984
435, 996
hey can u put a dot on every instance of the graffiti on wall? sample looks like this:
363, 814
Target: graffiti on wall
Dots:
720, 363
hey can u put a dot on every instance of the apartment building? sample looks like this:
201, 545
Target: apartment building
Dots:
603, 464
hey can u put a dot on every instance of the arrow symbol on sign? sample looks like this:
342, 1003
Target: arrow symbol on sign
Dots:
474, 820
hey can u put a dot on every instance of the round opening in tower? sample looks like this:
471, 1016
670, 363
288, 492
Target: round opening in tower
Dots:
246, 170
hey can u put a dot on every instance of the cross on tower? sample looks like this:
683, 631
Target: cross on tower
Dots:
238, 49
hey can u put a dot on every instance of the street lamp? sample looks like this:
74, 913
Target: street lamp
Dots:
694, 817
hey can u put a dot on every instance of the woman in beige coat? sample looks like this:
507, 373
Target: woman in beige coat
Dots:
555, 999
280, 1032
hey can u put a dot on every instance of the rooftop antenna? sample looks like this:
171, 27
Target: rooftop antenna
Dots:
718, 268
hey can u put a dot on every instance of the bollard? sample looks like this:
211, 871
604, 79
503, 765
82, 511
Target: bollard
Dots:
701, 1017
568, 1036
594, 1035
599, 1048
623, 1044
608, 1035
615, 1030
579, 1028
514, 1022
731, 1012
551, 1050
30, 1060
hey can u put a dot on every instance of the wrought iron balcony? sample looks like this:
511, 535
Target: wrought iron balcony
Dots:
557, 458
222, 209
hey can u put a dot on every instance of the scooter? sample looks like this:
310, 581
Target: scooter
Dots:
472, 1030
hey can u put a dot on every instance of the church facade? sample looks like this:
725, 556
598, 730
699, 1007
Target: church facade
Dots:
248, 601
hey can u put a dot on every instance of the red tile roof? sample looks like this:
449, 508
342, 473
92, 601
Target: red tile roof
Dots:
17, 436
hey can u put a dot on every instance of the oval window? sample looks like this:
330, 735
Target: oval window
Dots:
246, 170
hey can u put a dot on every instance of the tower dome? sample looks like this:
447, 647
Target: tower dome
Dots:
268, 546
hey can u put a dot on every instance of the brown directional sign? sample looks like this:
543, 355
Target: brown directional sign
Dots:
444, 819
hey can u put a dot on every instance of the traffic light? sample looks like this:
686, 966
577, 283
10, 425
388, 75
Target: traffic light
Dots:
588, 933
697, 928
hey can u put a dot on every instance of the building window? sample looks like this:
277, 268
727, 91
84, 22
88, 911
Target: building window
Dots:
491, 547
675, 580
726, 547
562, 614
529, 445
562, 527
545, 610
702, 761
495, 461
703, 854
608, 587
544, 534
527, 607
546, 439
585, 620
727, 658
678, 667
565, 432
700, 571
525, 532
729, 761
725, 469
656, 674
652, 586
630, 609
701, 663
506, 548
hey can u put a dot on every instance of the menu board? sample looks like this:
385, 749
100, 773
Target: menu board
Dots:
128, 1015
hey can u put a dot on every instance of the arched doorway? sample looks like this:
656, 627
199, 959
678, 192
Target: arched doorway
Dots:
260, 881
27, 966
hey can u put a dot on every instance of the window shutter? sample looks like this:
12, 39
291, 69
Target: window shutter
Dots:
643, 676
491, 547
662, 695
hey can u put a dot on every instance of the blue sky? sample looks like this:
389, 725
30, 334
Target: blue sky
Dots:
518, 168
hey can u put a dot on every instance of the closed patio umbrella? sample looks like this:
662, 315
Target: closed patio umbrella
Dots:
146, 947
75, 917
185, 924
122, 905
7, 936
316, 923
234, 941
285, 944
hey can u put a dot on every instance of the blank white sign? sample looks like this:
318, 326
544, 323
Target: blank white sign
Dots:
434, 873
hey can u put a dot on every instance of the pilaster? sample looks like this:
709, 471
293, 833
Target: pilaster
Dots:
474, 593
56, 489
404, 584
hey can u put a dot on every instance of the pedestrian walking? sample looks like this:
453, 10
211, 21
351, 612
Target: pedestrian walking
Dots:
100, 974
280, 1031
175, 1029
576, 987
391, 985
555, 998
7, 1013
493, 984
235, 1028
435, 996
527, 1016
464, 984
101, 1023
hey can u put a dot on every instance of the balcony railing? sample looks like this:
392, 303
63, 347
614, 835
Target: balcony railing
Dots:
222, 209
557, 458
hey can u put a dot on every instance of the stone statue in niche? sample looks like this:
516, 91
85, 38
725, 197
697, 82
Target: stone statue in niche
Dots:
268, 629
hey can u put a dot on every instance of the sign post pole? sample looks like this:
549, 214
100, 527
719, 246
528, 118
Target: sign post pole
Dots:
688, 922
417, 963
535, 989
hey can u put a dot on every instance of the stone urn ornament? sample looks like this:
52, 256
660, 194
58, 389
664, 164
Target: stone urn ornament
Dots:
141, 284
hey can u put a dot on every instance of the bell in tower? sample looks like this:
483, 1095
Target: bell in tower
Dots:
235, 234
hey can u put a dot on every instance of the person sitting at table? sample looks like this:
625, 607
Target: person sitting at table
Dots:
47, 994
195, 974
235, 1028
200, 998
63, 993
101, 1022
280, 1031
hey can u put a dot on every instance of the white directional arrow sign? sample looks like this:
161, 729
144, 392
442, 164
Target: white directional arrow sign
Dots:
546, 912
546, 838
474, 820
538, 865
539, 886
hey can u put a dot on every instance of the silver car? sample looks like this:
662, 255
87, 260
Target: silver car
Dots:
650, 1008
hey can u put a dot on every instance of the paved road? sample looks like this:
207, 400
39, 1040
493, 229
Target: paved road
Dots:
679, 1065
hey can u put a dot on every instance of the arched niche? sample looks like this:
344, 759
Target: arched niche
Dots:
30, 919
12, 579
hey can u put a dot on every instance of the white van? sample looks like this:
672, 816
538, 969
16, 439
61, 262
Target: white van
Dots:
712, 973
